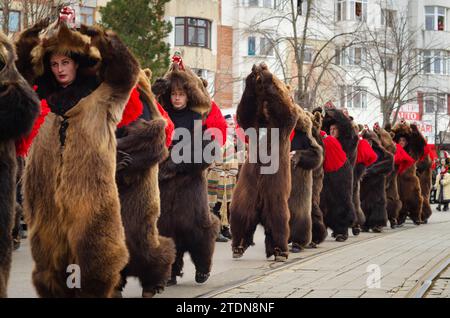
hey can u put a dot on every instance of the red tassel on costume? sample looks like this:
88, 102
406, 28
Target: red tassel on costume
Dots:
24, 143
366, 155
292, 136
133, 110
335, 156
216, 120
170, 127
402, 159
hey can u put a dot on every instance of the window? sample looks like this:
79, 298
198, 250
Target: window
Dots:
388, 17
14, 20
251, 46
87, 15
302, 7
351, 10
267, 4
192, 32
308, 55
350, 56
352, 97
389, 62
337, 56
253, 3
266, 47
435, 102
435, 62
435, 18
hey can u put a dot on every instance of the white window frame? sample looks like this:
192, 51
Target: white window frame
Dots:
352, 97
435, 15
439, 103
388, 17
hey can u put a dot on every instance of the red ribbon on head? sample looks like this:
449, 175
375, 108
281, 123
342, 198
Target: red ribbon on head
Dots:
366, 155
402, 159
215, 119
335, 156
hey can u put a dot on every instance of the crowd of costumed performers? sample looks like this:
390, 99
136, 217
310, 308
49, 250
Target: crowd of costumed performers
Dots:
89, 157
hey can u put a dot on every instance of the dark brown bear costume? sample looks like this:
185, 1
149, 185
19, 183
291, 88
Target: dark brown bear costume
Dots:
393, 202
336, 199
308, 156
71, 199
143, 142
373, 185
263, 198
319, 229
424, 172
408, 182
185, 214
19, 107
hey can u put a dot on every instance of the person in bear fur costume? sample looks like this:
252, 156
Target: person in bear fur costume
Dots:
319, 229
424, 172
71, 200
373, 185
263, 198
365, 157
141, 146
307, 156
185, 215
19, 107
336, 199
393, 202
408, 182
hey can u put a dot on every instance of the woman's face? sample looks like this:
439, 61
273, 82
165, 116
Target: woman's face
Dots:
64, 69
334, 131
403, 142
178, 98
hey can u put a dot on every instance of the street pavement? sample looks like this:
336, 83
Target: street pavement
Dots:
401, 257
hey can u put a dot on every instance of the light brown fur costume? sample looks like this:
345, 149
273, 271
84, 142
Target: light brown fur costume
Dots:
71, 198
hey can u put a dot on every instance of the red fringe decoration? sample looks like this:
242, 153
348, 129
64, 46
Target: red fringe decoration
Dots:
170, 127
24, 143
133, 110
335, 156
402, 160
366, 155
216, 120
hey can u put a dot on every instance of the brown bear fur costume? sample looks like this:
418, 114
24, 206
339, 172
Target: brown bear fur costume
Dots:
319, 229
143, 142
373, 185
408, 182
424, 172
336, 200
393, 204
19, 107
263, 198
185, 214
308, 157
71, 199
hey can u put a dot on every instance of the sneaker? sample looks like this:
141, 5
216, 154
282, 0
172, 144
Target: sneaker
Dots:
172, 281
221, 238
377, 229
341, 238
226, 232
296, 248
200, 278
356, 230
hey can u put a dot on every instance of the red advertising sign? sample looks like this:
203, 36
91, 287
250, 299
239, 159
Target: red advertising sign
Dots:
410, 112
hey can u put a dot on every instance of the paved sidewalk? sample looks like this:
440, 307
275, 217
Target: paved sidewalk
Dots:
401, 259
